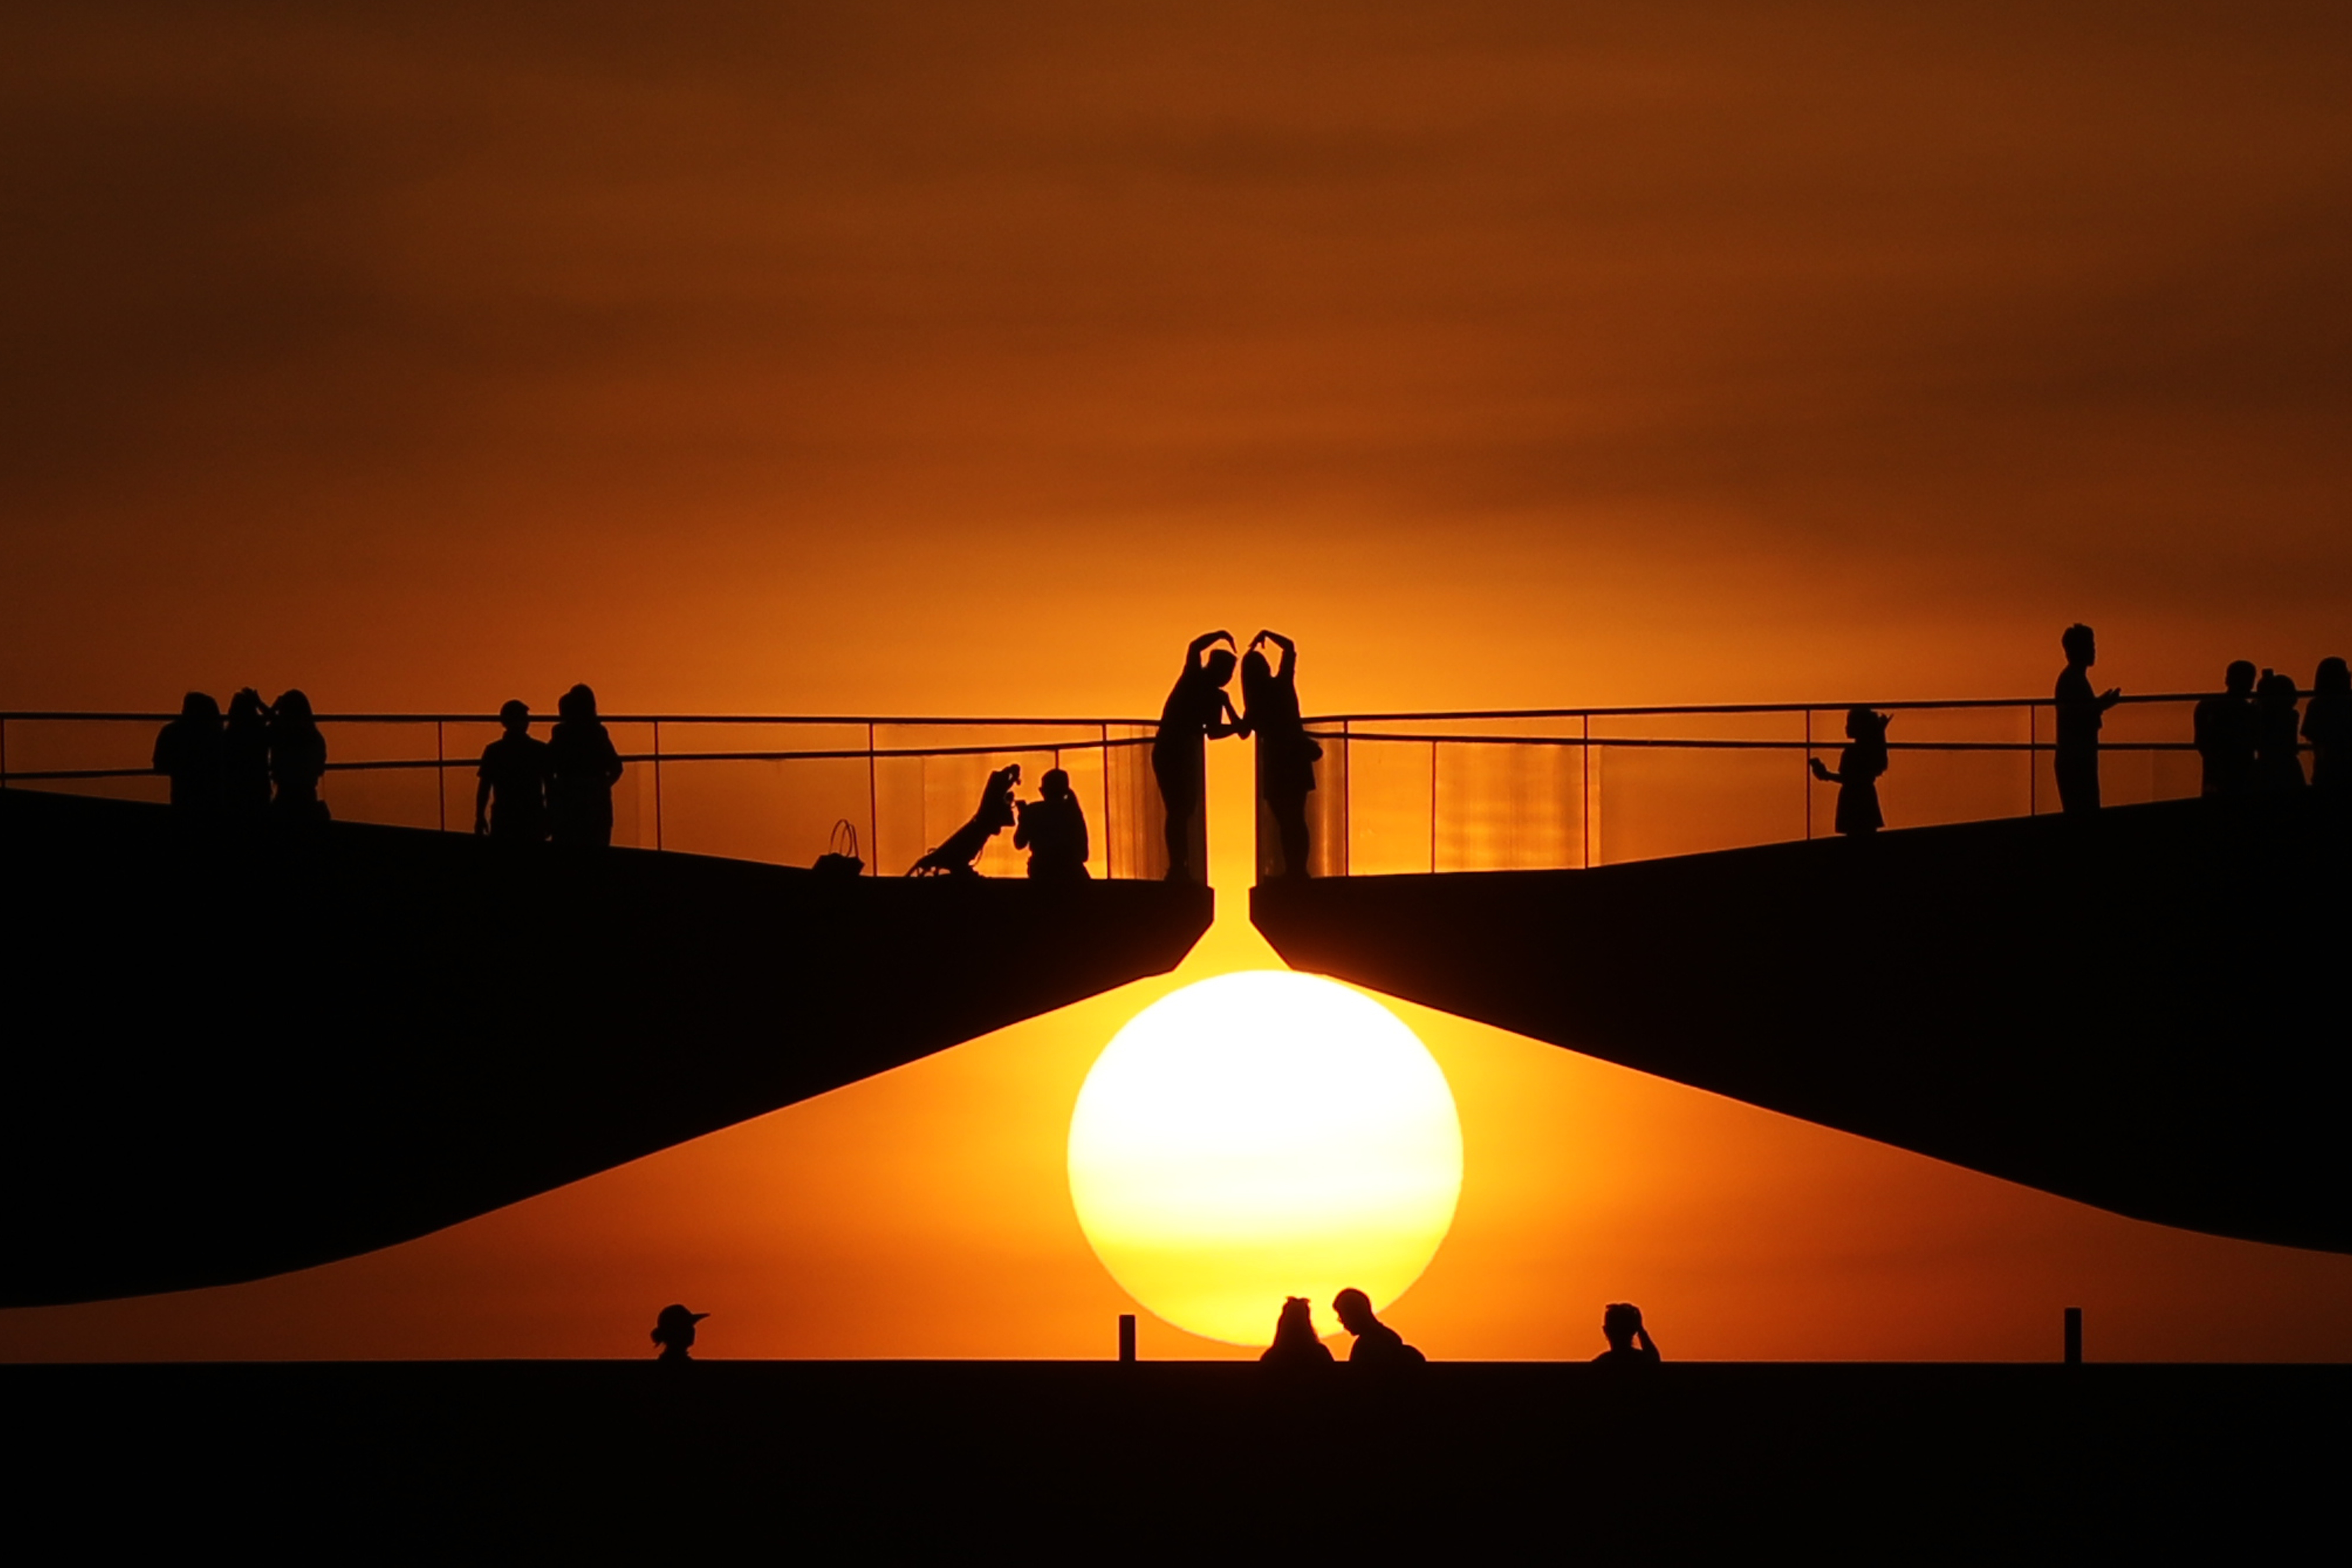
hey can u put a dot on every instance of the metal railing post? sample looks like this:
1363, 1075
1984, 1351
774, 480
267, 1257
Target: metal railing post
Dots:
1808, 775
872, 808
2032, 739
657, 792
441, 773
4, 753
1432, 808
1585, 801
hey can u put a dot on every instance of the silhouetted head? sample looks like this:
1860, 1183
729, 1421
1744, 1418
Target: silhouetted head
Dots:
1218, 665
2081, 647
674, 1329
515, 716
1619, 1321
1354, 1311
246, 708
2335, 678
577, 703
1296, 1323
1256, 675
292, 707
199, 706
2239, 679
1866, 724
2276, 690
1055, 783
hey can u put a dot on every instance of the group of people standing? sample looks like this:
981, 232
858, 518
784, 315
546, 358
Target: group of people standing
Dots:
2251, 736
262, 759
559, 790
1199, 711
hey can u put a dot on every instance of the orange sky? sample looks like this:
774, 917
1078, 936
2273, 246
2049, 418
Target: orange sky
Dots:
786, 358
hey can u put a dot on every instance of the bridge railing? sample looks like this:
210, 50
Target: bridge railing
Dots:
750, 786
1555, 788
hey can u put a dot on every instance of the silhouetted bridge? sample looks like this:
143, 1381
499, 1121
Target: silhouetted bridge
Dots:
243, 1051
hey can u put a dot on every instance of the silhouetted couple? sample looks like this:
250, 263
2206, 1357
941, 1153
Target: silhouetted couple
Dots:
560, 789
2248, 737
1198, 711
1860, 766
1297, 1344
1053, 828
267, 758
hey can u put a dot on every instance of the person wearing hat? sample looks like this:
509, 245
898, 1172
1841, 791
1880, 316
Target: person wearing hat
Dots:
674, 1331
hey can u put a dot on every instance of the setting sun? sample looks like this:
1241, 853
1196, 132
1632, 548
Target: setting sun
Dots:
1259, 1135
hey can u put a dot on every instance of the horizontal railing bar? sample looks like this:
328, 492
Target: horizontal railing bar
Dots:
61, 716
1464, 715
883, 754
1689, 744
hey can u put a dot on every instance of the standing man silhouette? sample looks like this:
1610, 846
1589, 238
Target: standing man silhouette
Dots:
2080, 717
2225, 733
1197, 711
510, 802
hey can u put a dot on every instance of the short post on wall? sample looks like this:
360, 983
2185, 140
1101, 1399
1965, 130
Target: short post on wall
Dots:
1127, 1338
658, 799
441, 773
2073, 1336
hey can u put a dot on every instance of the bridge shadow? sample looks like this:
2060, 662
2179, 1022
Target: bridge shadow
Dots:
2141, 1010
237, 1051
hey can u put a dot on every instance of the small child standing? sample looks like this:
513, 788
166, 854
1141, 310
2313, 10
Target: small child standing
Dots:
1858, 770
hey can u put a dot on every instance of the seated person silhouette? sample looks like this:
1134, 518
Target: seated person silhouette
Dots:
1858, 770
1377, 1344
189, 752
2225, 733
1053, 830
2328, 726
956, 853
2277, 766
1295, 1343
511, 801
674, 1331
1629, 1341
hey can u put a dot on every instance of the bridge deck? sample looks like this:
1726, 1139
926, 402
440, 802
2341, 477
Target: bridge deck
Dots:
233, 1054
2142, 1010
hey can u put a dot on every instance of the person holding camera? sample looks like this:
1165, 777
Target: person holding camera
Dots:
1053, 830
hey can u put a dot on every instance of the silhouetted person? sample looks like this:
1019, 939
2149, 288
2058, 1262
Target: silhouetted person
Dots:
1295, 1343
1053, 830
1286, 753
959, 849
2081, 716
1377, 1344
1197, 711
245, 756
1629, 1341
188, 750
2277, 768
2327, 725
297, 759
2225, 733
581, 769
674, 1331
1860, 766
511, 800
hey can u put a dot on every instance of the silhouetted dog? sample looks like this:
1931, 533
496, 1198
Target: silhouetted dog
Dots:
954, 857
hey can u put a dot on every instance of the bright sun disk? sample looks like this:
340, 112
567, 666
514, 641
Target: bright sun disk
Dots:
1264, 1134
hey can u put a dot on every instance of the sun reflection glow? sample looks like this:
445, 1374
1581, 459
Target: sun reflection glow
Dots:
1258, 1135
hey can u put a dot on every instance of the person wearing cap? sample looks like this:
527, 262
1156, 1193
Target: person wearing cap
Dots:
674, 1331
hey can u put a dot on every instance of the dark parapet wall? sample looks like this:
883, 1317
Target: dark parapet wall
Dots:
234, 1053
2144, 1010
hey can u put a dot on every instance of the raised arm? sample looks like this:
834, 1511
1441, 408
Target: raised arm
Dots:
1289, 667
1200, 644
